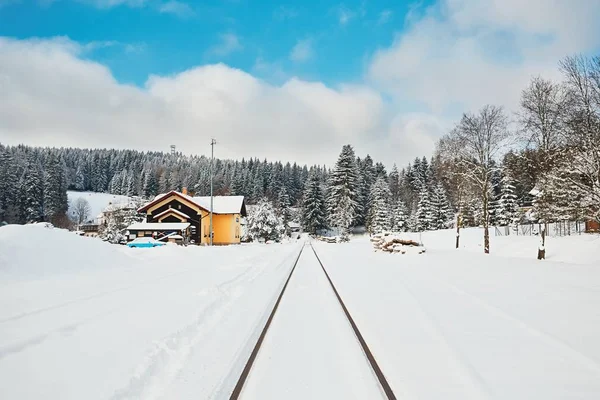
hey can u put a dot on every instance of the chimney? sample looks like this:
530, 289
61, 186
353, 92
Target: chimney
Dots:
184, 190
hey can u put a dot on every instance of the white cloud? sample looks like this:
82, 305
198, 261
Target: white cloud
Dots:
345, 15
83, 105
114, 3
283, 13
228, 43
302, 51
452, 57
384, 17
176, 8
465, 53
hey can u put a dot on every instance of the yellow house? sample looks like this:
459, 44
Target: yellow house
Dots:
179, 207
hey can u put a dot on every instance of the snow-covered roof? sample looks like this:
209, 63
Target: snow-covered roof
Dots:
221, 204
168, 210
150, 226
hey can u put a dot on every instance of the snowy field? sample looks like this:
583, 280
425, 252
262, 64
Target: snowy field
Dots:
80, 318
98, 201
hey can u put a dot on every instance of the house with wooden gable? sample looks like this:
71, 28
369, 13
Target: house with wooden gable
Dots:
178, 213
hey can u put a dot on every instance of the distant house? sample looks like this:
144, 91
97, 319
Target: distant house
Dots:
592, 226
169, 212
90, 230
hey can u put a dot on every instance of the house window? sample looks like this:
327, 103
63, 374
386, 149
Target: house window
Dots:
237, 219
179, 206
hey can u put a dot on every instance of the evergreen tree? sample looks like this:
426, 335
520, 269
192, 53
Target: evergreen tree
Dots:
399, 217
313, 205
394, 181
263, 222
424, 215
507, 211
343, 194
79, 179
32, 192
440, 207
55, 202
283, 211
380, 219
150, 187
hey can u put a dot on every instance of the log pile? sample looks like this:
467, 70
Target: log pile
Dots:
328, 239
395, 244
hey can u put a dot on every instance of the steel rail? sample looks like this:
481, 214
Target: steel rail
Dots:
387, 389
237, 390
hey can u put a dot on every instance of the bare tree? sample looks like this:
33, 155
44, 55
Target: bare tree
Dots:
453, 174
541, 118
81, 210
583, 129
478, 140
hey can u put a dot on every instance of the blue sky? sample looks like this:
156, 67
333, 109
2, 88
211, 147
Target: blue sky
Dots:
284, 80
159, 37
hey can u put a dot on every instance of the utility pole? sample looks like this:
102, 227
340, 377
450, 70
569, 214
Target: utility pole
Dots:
212, 157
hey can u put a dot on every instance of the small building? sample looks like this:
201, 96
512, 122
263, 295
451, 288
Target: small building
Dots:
180, 208
592, 226
158, 231
90, 230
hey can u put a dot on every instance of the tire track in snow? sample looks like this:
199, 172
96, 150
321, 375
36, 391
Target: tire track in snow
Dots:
467, 372
88, 298
39, 339
161, 366
102, 294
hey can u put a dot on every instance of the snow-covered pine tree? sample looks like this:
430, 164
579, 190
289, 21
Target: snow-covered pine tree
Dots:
32, 192
366, 179
424, 215
394, 181
380, 219
55, 201
442, 215
283, 210
263, 222
79, 178
507, 210
163, 182
313, 205
399, 217
342, 204
150, 185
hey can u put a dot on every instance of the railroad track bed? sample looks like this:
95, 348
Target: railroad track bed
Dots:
310, 346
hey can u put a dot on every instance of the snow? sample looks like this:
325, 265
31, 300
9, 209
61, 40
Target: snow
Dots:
98, 201
455, 324
221, 204
140, 226
310, 330
80, 318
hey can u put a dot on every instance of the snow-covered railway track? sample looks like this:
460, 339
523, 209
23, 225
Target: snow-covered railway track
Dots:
246, 371
365, 347
310, 351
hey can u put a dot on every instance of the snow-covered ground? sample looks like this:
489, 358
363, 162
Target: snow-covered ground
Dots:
310, 330
80, 318
455, 324
98, 201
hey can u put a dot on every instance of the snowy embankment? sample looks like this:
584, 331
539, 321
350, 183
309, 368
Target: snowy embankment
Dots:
80, 318
455, 324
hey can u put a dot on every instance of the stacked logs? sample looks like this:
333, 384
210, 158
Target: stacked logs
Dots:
328, 239
394, 244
